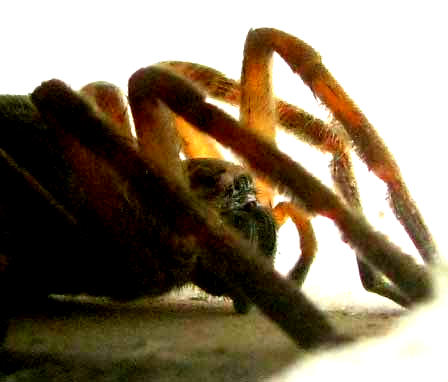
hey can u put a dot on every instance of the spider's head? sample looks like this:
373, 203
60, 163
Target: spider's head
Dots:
223, 185
230, 190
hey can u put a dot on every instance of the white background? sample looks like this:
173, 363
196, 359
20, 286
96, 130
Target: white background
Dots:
390, 56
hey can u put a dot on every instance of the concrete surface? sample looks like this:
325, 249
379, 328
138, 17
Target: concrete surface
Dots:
181, 337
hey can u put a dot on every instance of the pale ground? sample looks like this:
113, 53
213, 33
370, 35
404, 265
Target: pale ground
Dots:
186, 337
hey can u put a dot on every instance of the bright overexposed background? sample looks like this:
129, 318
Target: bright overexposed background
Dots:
390, 56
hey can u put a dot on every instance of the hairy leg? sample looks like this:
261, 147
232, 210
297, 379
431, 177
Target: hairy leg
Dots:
331, 138
304, 61
305, 190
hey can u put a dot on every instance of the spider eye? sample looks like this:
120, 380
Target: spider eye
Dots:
243, 183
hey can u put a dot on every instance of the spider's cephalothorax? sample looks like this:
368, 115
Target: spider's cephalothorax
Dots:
86, 207
230, 189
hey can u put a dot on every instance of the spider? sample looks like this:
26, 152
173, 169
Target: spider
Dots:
125, 217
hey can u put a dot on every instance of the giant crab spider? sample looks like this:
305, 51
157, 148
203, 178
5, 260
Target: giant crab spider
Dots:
150, 231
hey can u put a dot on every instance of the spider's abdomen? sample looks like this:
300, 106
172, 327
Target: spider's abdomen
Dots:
83, 249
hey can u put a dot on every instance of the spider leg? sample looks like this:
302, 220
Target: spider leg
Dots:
309, 129
109, 99
155, 130
371, 279
256, 76
308, 192
308, 244
196, 144
333, 139
192, 228
304, 61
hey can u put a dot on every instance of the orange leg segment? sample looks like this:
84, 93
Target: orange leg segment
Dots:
304, 61
308, 243
110, 100
194, 143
